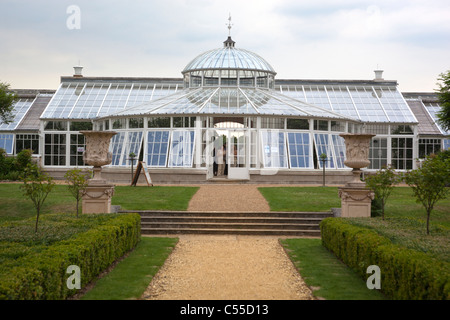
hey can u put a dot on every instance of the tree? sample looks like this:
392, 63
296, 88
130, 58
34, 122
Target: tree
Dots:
7, 100
382, 183
78, 182
429, 183
36, 186
444, 100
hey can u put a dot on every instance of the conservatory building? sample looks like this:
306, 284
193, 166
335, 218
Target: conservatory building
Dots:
227, 118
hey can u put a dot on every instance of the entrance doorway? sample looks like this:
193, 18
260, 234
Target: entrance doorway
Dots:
228, 152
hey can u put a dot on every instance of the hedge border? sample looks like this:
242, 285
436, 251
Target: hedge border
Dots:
405, 274
42, 276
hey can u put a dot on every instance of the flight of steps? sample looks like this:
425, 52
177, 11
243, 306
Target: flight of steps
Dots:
232, 223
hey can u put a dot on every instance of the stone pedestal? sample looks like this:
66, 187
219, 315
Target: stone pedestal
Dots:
97, 199
355, 202
356, 199
97, 196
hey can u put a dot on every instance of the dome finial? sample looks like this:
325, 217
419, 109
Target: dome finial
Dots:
229, 43
230, 25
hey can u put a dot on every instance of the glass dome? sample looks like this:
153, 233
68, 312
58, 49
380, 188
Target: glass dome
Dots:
229, 66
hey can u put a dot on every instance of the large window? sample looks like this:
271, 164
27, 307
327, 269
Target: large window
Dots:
77, 148
124, 143
27, 141
182, 149
116, 147
7, 142
429, 146
299, 144
274, 149
402, 153
323, 146
378, 153
55, 150
339, 150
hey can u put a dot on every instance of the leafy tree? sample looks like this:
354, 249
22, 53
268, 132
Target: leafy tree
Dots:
429, 183
382, 183
444, 100
36, 186
7, 100
77, 182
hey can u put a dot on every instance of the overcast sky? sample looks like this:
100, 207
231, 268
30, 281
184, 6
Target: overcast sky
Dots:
321, 39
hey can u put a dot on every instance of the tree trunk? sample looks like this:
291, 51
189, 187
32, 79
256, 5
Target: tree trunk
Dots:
428, 221
77, 206
37, 220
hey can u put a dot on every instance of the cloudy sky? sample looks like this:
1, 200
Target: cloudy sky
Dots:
322, 39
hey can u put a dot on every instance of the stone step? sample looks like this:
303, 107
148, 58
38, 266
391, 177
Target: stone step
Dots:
221, 225
295, 224
271, 214
197, 219
259, 232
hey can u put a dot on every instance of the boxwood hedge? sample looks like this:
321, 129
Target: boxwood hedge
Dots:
39, 273
405, 274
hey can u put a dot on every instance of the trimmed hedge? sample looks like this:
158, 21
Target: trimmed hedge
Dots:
42, 275
405, 274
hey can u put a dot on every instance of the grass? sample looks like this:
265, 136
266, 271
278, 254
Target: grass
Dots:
15, 206
329, 278
301, 198
129, 279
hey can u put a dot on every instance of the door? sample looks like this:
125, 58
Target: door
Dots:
238, 155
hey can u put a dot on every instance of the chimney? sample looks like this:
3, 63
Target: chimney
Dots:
379, 75
78, 72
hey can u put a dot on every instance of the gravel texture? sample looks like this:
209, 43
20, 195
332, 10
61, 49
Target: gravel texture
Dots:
203, 267
227, 268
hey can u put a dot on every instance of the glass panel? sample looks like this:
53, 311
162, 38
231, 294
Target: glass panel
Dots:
134, 123
19, 110
299, 149
77, 147
80, 126
132, 145
402, 153
274, 149
182, 149
159, 122
116, 148
323, 146
339, 150
300, 124
55, 150
321, 125
7, 142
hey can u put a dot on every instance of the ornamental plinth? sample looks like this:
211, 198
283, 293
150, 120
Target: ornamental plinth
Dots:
97, 196
356, 198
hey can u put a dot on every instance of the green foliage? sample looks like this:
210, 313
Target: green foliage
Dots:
429, 183
11, 168
382, 183
36, 186
39, 272
444, 100
77, 183
7, 99
405, 274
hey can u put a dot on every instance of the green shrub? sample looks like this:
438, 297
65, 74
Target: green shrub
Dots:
41, 274
405, 273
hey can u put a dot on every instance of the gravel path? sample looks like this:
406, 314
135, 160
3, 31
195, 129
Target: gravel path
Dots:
203, 267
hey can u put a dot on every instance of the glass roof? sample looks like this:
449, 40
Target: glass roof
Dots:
20, 109
433, 109
229, 58
366, 103
248, 101
88, 100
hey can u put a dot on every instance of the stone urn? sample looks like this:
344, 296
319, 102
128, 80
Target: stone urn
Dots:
97, 196
356, 199
357, 154
97, 152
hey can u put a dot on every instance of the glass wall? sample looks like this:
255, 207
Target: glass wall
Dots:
7, 142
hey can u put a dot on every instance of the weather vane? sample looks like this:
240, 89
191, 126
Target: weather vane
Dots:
230, 25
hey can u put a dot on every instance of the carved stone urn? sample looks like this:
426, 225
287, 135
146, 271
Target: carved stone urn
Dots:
356, 199
357, 154
97, 196
97, 152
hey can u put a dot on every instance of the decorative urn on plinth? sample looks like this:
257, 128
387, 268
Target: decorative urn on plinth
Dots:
356, 199
98, 194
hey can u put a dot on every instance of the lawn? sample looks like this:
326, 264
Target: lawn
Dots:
15, 206
328, 277
129, 279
